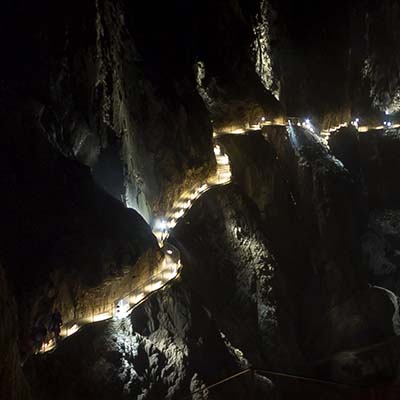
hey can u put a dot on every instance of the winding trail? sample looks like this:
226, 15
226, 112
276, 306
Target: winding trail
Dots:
170, 266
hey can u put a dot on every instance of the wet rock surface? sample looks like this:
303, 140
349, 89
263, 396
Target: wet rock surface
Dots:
322, 219
293, 266
63, 238
227, 261
382, 250
168, 348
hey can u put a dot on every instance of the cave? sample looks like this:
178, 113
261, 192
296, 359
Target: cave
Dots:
200, 200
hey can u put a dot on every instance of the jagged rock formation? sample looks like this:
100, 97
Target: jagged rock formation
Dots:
98, 91
227, 261
65, 242
382, 65
168, 348
226, 71
277, 271
373, 160
318, 243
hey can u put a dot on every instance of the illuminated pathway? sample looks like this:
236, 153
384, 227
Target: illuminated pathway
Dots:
170, 266
222, 176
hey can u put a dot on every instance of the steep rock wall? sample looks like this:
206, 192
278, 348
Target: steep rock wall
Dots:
319, 246
12, 381
228, 262
98, 92
65, 242
168, 348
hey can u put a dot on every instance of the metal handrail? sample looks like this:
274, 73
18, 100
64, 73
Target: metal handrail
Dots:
253, 371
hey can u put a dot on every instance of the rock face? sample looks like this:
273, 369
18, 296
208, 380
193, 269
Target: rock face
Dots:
382, 65
373, 160
186, 336
98, 92
227, 261
278, 265
66, 243
318, 249
168, 348
226, 72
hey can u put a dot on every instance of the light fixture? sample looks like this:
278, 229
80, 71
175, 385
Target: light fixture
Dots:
161, 225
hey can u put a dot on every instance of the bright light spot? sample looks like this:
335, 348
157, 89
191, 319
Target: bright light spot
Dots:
223, 160
357, 120
74, 328
153, 286
161, 225
387, 112
50, 345
136, 299
389, 124
122, 308
101, 317
179, 214
308, 121
169, 252
262, 119
170, 275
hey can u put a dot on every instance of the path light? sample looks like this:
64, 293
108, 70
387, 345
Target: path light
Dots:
171, 264
136, 299
161, 225
263, 119
74, 328
101, 317
122, 309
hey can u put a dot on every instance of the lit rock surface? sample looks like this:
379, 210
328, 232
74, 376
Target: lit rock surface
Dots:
227, 261
166, 349
67, 243
313, 214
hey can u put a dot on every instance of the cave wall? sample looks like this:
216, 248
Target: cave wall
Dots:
382, 65
99, 91
316, 239
64, 241
336, 62
168, 348
12, 380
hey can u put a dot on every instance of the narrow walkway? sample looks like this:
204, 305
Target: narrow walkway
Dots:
170, 266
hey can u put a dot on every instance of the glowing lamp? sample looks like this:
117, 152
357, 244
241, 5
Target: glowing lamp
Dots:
161, 225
